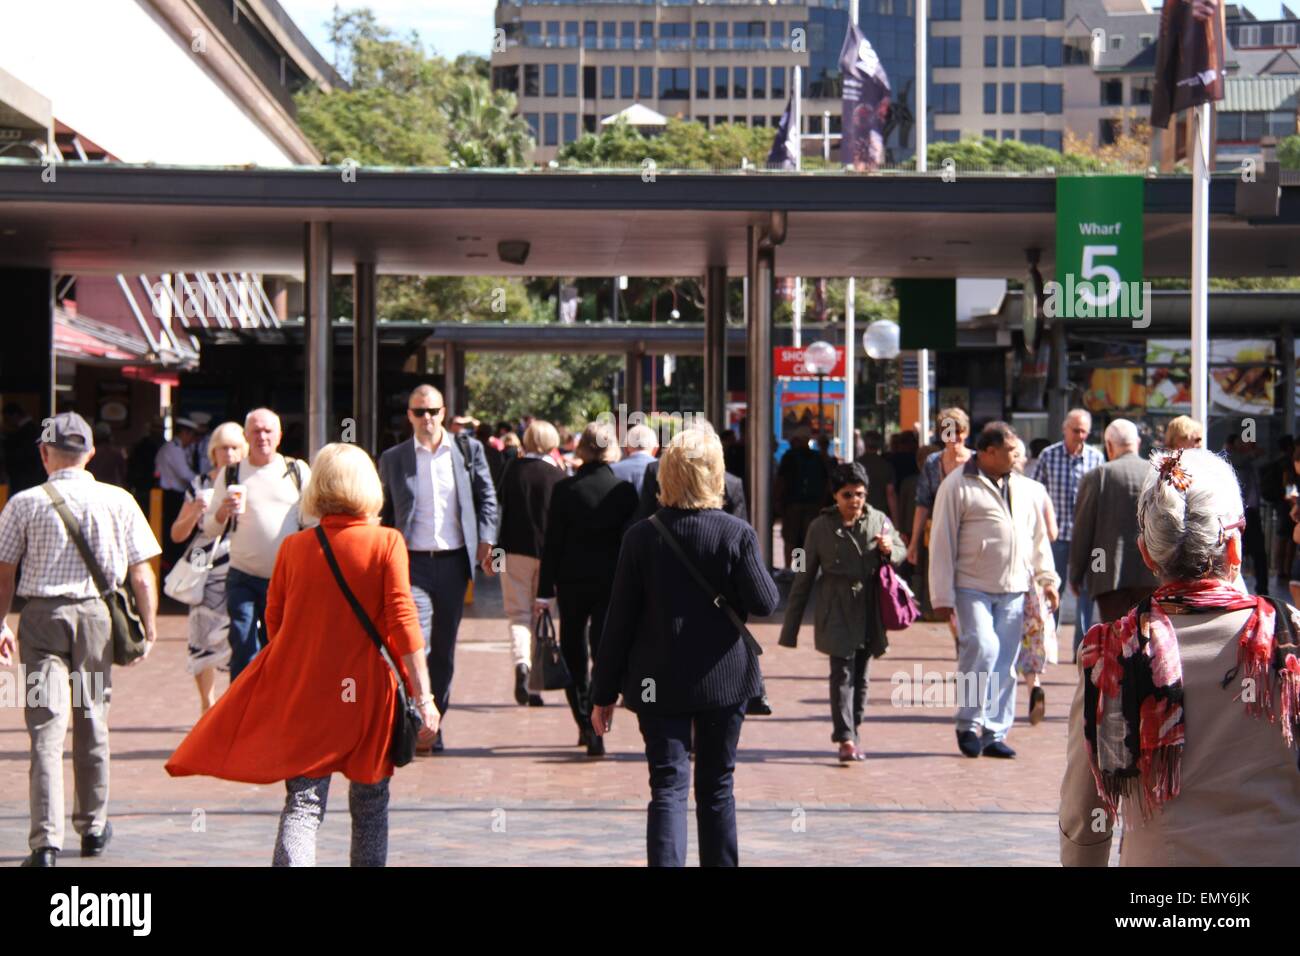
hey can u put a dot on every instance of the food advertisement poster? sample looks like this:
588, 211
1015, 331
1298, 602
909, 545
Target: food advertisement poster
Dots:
1241, 377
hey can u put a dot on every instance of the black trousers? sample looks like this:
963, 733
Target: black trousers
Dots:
848, 694
582, 612
667, 742
172, 502
1257, 548
438, 583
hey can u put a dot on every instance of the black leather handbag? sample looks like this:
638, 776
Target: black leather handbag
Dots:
549, 672
406, 718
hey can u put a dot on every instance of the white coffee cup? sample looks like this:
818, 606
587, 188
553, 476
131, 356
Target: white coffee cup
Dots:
205, 496
242, 505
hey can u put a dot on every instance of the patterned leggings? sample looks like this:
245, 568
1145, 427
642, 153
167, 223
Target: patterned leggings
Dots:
304, 809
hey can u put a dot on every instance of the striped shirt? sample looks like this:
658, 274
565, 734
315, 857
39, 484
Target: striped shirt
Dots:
1060, 472
111, 521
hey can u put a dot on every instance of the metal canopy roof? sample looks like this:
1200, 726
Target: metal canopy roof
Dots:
118, 218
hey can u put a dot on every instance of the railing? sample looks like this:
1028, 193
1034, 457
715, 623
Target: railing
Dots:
648, 43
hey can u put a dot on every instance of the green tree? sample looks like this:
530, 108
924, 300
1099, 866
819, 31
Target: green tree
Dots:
683, 144
1288, 153
484, 126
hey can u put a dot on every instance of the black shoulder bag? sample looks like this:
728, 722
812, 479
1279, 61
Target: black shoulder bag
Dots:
124, 615
716, 596
406, 718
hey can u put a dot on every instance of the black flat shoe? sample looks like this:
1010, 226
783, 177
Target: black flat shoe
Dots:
45, 856
1037, 705
999, 749
521, 684
595, 746
94, 844
437, 746
759, 706
968, 742
535, 700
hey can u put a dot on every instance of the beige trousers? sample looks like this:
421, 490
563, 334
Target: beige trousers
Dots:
65, 647
518, 591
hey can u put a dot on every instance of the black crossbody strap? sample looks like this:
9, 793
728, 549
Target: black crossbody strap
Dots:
715, 595
357, 609
74, 532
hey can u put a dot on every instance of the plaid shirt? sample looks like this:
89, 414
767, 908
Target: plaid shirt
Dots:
1061, 473
111, 521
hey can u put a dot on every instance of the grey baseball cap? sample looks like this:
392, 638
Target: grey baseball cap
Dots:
67, 431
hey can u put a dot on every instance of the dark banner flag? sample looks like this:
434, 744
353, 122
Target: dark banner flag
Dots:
785, 148
865, 104
1189, 58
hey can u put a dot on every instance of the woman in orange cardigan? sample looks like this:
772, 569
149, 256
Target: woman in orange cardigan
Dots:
320, 698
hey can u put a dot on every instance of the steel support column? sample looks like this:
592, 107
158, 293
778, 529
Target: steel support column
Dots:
758, 378
450, 380
318, 340
365, 357
715, 346
632, 380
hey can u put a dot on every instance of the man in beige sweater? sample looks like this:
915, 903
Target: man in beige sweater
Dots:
988, 547
262, 510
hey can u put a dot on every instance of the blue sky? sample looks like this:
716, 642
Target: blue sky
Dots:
458, 26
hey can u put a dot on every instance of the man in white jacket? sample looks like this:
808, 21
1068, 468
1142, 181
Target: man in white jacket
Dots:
988, 547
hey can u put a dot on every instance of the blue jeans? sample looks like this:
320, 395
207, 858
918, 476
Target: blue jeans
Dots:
246, 604
667, 750
1061, 555
990, 630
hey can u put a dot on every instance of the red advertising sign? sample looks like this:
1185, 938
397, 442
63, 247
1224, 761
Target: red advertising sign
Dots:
788, 361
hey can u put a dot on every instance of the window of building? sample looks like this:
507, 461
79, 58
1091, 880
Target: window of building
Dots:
532, 86
947, 135
570, 127
1031, 97
1054, 9
1052, 50
589, 82
1031, 51
571, 34
1282, 124
674, 83
990, 97
627, 35
1140, 93
1253, 126
646, 81
946, 97
1034, 137
759, 83
1053, 139
990, 9
1108, 131
1227, 127
551, 79
776, 121
701, 82
814, 124
778, 39
740, 35
1284, 34
1116, 42
1008, 134
1145, 40
609, 35
721, 82
589, 122
990, 134
550, 129
505, 78
990, 51
740, 82
1112, 92
1248, 36
1008, 51
627, 82
945, 51
1031, 9
607, 88
721, 35
946, 10
758, 121
531, 119
552, 32
1008, 9
757, 35
1077, 51
1008, 97
532, 33
646, 35
589, 34
701, 34
1053, 94
570, 79
674, 36
778, 82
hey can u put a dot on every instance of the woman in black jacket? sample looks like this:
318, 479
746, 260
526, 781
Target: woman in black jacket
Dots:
524, 497
675, 653
589, 512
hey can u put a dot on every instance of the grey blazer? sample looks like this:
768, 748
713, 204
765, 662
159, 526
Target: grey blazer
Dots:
475, 495
1105, 517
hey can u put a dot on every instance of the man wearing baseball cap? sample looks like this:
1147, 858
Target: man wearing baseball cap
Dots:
176, 470
65, 635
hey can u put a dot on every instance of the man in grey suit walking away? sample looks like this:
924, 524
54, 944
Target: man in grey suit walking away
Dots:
1104, 554
438, 492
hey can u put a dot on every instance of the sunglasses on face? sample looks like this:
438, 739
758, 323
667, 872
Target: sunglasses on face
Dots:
420, 412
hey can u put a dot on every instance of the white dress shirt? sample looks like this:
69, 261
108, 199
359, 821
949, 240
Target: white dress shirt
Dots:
435, 524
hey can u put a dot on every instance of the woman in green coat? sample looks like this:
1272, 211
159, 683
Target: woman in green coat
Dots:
846, 542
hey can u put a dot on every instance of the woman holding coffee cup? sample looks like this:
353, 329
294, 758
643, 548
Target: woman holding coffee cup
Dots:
209, 645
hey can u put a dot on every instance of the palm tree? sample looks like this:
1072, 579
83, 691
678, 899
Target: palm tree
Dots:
484, 128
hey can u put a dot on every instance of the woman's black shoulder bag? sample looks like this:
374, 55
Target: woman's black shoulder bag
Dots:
406, 718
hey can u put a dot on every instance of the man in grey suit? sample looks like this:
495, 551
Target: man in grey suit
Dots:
438, 492
1104, 546
642, 443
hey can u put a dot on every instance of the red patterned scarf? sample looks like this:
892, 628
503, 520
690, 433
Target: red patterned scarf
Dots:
1133, 686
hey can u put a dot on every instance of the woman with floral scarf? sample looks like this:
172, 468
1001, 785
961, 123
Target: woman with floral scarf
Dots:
1186, 714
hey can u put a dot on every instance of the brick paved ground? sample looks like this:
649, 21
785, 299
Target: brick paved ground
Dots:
513, 788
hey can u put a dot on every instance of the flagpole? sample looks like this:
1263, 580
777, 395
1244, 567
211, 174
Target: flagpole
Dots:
1200, 263
848, 449
796, 120
921, 124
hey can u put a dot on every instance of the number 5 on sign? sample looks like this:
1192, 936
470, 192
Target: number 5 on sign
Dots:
1098, 274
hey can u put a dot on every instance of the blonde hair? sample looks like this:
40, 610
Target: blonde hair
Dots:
599, 442
1181, 430
954, 415
343, 481
510, 440
541, 438
691, 471
227, 433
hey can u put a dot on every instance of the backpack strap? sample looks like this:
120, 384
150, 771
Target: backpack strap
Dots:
462, 442
294, 471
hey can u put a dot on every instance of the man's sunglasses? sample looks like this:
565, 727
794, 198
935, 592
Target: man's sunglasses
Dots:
424, 411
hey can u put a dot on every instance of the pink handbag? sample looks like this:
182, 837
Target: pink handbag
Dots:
898, 608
